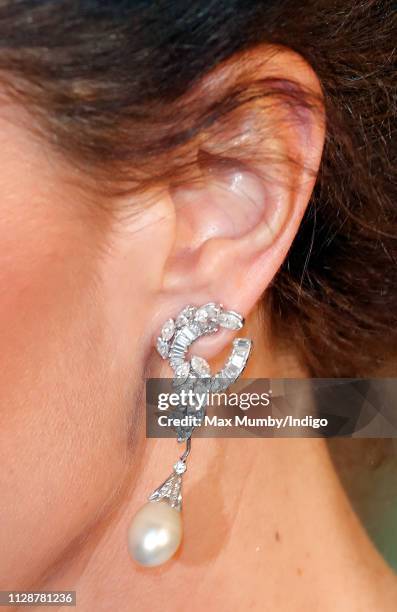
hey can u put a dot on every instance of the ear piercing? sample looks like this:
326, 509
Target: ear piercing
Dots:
155, 532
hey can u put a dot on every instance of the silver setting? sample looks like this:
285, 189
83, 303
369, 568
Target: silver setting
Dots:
234, 365
170, 491
192, 322
200, 367
162, 348
168, 329
231, 320
194, 372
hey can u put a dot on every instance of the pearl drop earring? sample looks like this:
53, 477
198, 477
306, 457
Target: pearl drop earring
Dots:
155, 532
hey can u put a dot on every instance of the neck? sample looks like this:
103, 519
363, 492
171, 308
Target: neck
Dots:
265, 520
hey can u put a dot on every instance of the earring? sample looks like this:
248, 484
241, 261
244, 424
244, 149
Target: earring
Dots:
155, 532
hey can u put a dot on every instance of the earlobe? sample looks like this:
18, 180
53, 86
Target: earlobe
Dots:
237, 221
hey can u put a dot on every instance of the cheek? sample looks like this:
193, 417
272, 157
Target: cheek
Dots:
67, 390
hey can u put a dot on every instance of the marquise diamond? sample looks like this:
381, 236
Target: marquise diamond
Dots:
162, 347
182, 372
201, 315
167, 331
185, 316
200, 366
230, 320
213, 310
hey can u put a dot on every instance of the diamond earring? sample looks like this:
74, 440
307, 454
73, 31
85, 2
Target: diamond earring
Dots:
155, 532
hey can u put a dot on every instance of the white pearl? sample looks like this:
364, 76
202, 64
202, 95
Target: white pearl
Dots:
155, 533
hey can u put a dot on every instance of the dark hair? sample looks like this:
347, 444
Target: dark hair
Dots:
94, 73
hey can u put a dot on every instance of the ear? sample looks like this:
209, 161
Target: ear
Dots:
234, 224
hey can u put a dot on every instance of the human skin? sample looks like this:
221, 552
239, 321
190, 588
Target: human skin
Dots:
83, 294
